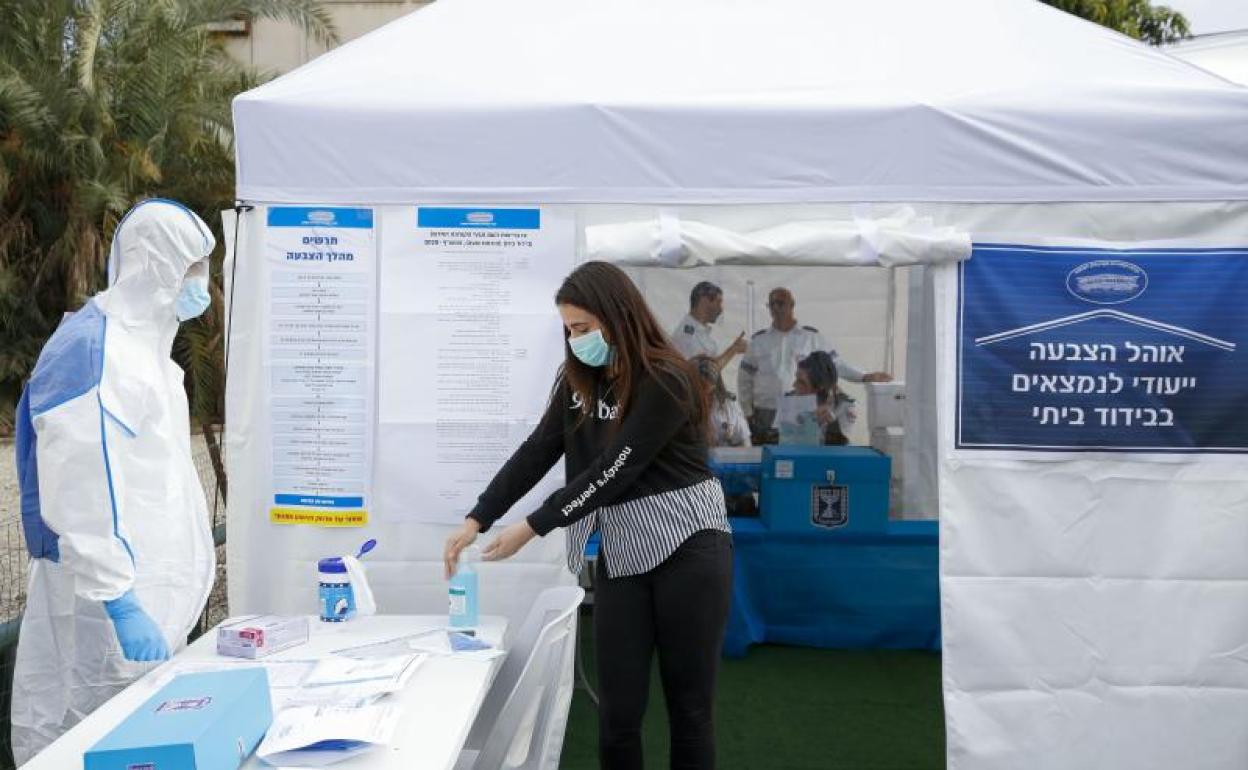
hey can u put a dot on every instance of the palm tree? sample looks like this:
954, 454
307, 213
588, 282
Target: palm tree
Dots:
1154, 24
104, 103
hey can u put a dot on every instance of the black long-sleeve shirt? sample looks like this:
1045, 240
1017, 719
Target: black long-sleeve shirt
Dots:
657, 448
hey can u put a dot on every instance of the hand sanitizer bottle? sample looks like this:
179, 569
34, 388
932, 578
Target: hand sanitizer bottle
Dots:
463, 590
337, 598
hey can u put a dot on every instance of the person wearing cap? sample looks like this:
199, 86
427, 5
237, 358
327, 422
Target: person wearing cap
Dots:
770, 363
692, 336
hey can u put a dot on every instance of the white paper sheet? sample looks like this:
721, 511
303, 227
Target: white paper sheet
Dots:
797, 421
337, 670
295, 729
455, 400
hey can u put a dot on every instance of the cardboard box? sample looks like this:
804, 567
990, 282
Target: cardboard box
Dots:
260, 635
211, 720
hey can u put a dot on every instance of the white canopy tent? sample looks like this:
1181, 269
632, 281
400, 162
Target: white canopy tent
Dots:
1223, 53
704, 101
1006, 120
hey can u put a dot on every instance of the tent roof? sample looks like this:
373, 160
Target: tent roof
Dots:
1222, 53
496, 101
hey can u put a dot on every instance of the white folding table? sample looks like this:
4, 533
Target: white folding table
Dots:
439, 702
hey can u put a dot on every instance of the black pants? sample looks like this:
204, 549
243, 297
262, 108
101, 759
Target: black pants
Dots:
679, 608
762, 427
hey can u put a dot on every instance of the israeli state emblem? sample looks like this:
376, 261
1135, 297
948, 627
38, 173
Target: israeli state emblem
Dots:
829, 505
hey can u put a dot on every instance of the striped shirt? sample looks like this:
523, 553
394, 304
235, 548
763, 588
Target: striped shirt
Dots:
639, 535
642, 480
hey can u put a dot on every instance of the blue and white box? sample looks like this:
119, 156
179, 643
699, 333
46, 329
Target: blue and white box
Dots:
833, 489
211, 720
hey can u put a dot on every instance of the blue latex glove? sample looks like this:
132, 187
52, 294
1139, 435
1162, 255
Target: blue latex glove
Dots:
139, 635
461, 642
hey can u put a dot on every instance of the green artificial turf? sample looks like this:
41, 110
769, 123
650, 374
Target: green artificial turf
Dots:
791, 708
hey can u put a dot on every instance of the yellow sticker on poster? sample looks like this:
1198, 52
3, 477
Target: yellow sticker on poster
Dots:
319, 518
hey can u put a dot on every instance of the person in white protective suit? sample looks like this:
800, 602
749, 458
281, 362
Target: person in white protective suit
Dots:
114, 514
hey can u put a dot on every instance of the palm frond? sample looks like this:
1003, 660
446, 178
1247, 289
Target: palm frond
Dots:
103, 102
310, 16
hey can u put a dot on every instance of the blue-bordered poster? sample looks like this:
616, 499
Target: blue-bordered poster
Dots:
1085, 349
320, 359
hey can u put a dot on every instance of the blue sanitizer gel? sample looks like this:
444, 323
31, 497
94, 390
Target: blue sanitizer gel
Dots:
462, 591
337, 598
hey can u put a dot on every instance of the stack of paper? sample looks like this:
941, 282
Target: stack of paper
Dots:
340, 680
314, 736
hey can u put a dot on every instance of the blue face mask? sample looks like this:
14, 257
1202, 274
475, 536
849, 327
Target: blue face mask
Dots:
591, 348
193, 300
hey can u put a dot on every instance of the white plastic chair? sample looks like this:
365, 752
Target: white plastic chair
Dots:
522, 718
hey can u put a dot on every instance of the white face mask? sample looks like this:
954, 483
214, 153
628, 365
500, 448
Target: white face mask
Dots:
194, 298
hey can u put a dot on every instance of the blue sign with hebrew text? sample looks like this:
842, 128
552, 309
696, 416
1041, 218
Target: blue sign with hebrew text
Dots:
1078, 350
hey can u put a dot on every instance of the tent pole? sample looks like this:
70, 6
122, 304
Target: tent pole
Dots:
890, 323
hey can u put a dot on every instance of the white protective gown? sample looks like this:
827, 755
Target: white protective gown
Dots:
119, 504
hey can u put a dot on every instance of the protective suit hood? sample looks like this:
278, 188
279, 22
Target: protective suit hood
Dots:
153, 247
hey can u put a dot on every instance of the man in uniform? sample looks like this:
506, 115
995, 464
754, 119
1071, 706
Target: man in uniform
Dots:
770, 364
692, 336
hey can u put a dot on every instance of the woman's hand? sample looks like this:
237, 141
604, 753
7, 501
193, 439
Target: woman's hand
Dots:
458, 541
824, 415
509, 541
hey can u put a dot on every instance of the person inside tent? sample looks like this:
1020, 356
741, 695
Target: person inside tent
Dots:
692, 336
835, 412
727, 425
113, 511
771, 362
728, 428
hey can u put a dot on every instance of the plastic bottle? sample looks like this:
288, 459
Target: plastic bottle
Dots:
463, 590
337, 598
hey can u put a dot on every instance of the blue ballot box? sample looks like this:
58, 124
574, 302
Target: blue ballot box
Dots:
823, 566
824, 488
205, 721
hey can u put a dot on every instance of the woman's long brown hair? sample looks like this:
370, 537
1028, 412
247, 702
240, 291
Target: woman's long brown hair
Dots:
639, 344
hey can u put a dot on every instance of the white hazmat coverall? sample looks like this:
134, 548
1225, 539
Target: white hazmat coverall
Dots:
114, 514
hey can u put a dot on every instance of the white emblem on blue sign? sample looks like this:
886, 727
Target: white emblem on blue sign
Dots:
480, 218
321, 217
1107, 281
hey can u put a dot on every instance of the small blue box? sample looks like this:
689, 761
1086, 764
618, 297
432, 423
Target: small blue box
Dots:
211, 720
739, 469
842, 489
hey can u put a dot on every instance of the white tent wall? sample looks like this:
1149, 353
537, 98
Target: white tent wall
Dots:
273, 566
1092, 609
920, 489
